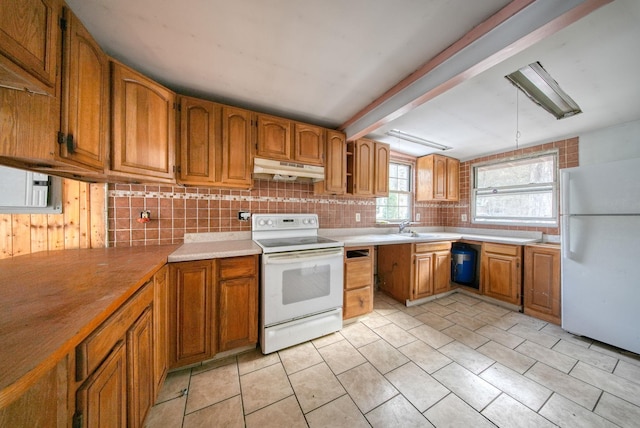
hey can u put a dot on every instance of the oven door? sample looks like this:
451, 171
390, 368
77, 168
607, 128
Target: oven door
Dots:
300, 283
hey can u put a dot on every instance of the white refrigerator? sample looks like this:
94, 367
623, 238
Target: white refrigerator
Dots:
600, 233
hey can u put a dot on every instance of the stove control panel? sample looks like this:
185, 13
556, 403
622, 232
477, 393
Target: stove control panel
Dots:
262, 222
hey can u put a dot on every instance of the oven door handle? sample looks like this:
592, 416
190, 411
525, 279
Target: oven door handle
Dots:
289, 257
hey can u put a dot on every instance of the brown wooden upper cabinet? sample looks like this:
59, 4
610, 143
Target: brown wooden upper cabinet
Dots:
207, 133
85, 98
273, 137
29, 45
367, 168
236, 160
308, 144
335, 168
283, 139
437, 178
199, 135
143, 122
381, 177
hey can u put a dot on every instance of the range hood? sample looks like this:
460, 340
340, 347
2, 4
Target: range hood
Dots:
268, 169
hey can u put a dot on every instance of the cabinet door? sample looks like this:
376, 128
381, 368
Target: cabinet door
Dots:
102, 399
381, 173
453, 179
161, 326
357, 302
192, 306
363, 170
85, 98
442, 271
439, 177
542, 283
238, 314
236, 167
394, 268
273, 138
501, 272
423, 276
143, 138
335, 168
308, 144
29, 44
199, 133
140, 380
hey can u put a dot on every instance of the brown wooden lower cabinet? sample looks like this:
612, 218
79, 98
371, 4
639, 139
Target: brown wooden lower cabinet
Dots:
43, 405
102, 399
213, 307
414, 271
542, 282
140, 379
501, 272
358, 282
115, 366
112, 377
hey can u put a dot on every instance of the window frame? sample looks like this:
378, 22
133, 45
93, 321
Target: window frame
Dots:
519, 221
409, 193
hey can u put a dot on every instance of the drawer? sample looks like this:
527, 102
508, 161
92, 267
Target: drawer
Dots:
95, 348
358, 273
506, 249
428, 247
357, 302
237, 267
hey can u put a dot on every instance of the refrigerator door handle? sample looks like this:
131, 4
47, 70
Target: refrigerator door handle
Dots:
566, 238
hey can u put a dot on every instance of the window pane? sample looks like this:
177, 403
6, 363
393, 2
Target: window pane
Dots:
533, 205
403, 171
518, 172
397, 206
522, 191
393, 183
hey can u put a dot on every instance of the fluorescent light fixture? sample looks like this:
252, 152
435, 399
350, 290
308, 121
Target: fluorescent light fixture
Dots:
542, 89
412, 138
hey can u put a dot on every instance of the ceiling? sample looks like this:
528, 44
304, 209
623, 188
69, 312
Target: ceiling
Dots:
324, 61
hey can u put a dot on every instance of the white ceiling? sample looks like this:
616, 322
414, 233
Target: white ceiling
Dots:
322, 61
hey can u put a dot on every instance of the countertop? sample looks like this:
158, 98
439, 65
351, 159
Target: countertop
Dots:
214, 250
404, 238
50, 301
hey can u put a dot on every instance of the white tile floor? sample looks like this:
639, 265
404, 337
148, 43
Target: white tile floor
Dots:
456, 361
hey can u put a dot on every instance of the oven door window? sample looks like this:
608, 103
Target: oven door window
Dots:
306, 283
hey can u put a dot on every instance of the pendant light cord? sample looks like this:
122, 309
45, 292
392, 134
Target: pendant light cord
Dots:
517, 119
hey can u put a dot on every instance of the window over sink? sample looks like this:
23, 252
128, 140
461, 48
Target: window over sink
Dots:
397, 206
518, 191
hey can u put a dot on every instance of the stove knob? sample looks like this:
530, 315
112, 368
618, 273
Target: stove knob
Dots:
305, 221
269, 222
312, 221
261, 223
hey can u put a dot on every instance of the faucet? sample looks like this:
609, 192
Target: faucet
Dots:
403, 225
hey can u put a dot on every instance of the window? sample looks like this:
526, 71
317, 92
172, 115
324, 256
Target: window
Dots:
517, 191
397, 206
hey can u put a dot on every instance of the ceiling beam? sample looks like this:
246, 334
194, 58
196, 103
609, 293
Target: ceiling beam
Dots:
517, 26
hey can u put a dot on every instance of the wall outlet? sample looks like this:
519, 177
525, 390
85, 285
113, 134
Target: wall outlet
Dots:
463, 217
357, 216
417, 216
244, 215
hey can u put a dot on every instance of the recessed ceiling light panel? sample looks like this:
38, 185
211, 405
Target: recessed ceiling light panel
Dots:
542, 89
417, 140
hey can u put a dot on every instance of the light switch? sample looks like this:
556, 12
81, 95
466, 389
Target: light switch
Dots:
357, 216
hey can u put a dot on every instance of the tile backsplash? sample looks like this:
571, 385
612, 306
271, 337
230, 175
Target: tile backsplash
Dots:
177, 210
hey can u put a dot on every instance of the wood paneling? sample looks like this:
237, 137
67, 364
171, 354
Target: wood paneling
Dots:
80, 225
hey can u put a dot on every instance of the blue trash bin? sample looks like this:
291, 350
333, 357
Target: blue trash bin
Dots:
463, 264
